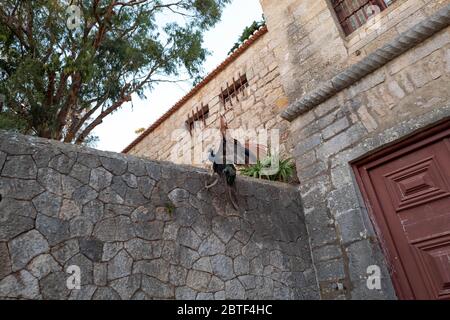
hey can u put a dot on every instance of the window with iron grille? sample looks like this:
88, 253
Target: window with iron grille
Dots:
197, 116
233, 90
352, 14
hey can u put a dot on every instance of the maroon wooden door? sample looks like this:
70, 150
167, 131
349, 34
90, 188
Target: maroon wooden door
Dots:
407, 190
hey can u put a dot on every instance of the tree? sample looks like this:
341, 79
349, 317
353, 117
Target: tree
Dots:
67, 65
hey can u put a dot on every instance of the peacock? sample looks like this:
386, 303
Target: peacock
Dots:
224, 166
223, 170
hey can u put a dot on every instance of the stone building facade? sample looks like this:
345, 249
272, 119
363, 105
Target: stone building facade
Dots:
246, 89
351, 97
361, 82
364, 109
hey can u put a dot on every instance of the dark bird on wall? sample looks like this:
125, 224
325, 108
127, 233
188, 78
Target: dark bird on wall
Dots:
228, 171
225, 171
223, 166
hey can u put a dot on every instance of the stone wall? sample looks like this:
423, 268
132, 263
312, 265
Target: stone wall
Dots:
406, 95
311, 47
142, 230
307, 41
399, 17
257, 109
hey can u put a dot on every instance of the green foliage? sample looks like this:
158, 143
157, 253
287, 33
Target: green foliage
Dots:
286, 169
252, 171
61, 82
197, 80
139, 131
247, 33
9, 121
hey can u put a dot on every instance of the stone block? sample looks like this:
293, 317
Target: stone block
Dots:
5, 261
22, 285
91, 248
105, 293
43, 265
307, 144
330, 270
25, 247
351, 226
54, 286
120, 266
343, 200
127, 287
335, 128
185, 293
62, 163
20, 167
157, 268
198, 280
114, 165
16, 216
340, 142
101, 274
54, 229
222, 267
328, 252
234, 290
211, 246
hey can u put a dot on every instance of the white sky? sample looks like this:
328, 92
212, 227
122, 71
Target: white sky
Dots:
117, 130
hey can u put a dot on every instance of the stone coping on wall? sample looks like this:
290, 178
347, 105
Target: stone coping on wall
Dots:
369, 64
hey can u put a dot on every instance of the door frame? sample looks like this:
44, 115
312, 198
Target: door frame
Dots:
360, 168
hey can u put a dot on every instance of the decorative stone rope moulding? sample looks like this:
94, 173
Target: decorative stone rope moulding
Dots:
380, 57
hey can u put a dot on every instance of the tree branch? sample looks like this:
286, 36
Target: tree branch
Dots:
125, 97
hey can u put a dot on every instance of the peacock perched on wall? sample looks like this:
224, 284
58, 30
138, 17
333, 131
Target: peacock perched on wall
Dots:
228, 171
230, 153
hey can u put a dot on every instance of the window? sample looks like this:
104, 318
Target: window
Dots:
352, 14
197, 116
232, 91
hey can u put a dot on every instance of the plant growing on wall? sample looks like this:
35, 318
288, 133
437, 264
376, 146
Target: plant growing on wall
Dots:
247, 33
286, 169
66, 65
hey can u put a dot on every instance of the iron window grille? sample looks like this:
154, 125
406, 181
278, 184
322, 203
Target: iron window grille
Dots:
352, 14
197, 116
232, 91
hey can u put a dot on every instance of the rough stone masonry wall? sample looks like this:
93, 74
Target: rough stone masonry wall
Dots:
258, 109
386, 26
307, 41
142, 230
408, 94
311, 47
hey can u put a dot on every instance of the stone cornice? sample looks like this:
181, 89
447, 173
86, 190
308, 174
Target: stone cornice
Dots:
369, 64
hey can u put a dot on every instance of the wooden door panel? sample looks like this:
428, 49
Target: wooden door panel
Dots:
416, 184
434, 254
408, 195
